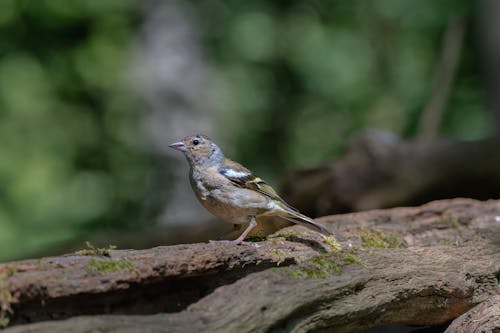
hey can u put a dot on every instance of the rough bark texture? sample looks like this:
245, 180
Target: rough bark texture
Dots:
484, 318
381, 171
420, 266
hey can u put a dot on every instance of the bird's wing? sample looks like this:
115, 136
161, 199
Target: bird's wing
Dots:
244, 178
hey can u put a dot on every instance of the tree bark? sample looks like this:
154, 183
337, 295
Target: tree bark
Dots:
420, 266
484, 318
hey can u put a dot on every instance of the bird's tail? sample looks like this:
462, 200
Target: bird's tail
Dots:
307, 222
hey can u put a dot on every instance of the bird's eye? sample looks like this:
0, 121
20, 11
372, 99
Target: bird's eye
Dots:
196, 142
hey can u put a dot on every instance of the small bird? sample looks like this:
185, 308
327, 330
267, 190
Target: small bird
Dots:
232, 192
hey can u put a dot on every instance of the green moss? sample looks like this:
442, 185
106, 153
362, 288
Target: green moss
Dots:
276, 241
95, 266
319, 267
91, 250
332, 243
278, 255
286, 234
322, 266
6, 298
378, 239
292, 235
4, 321
255, 238
41, 261
372, 238
452, 221
350, 256
395, 241
9, 271
450, 242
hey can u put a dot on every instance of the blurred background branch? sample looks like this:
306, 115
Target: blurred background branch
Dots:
444, 75
488, 18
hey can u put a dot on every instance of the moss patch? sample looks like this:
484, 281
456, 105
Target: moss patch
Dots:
255, 239
91, 250
41, 261
278, 255
449, 242
331, 241
292, 236
6, 298
452, 221
350, 256
322, 266
289, 235
95, 266
276, 241
378, 239
319, 267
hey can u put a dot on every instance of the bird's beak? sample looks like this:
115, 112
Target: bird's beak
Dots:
180, 146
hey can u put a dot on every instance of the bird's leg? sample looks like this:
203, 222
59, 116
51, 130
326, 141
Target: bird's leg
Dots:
240, 240
242, 237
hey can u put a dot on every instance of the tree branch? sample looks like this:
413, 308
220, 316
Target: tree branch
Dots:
379, 171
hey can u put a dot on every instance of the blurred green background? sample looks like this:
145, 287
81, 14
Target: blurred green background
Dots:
288, 83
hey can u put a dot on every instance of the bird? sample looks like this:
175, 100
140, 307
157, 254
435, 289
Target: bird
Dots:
232, 192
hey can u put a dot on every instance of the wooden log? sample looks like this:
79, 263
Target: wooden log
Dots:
484, 318
421, 266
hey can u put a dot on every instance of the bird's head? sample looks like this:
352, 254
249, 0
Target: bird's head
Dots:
199, 150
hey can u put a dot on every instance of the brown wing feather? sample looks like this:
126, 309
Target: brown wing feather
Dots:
244, 178
249, 181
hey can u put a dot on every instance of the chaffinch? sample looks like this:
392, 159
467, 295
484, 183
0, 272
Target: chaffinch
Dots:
232, 192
